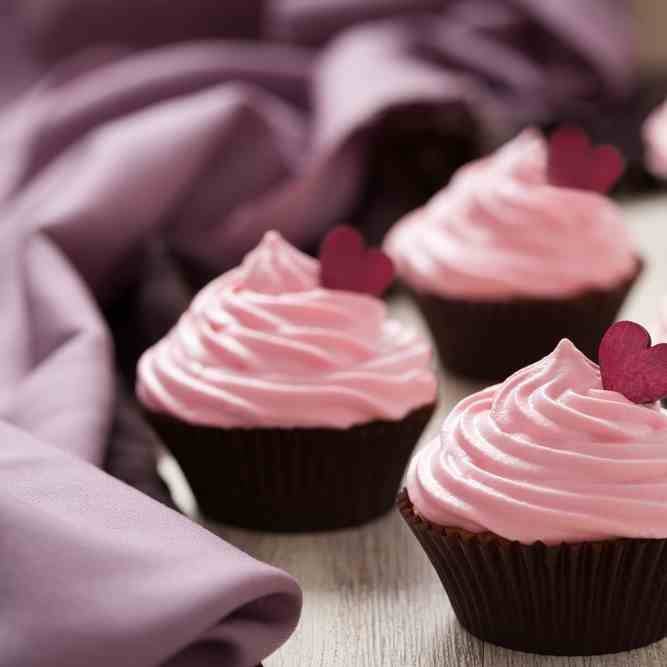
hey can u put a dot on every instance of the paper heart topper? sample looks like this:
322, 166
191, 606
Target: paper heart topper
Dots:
575, 163
346, 263
629, 365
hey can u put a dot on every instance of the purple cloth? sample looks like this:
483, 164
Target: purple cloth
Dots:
270, 134
199, 147
94, 572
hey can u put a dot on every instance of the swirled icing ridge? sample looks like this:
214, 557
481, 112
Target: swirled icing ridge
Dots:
500, 230
265, 345
547, 455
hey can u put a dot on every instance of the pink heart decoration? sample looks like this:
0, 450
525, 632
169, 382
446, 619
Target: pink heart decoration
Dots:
346, 264
575, 163
629, 365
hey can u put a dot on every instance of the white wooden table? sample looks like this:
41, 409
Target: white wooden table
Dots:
371, 597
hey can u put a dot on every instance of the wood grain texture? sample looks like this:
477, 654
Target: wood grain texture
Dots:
371, 598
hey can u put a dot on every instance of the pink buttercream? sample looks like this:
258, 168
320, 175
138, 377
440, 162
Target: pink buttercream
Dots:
500, 230
547, 455
655, 140
265, 345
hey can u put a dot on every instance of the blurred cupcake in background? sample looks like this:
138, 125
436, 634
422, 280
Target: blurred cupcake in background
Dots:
542, 504
289, 398
655, 141
522, 249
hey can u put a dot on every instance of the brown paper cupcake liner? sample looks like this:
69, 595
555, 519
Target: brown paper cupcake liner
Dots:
491, 340
299, 479
571, 599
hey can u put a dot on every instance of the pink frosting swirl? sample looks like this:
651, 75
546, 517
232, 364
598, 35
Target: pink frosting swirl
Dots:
547, 455
500, 230
655, 140
265, 345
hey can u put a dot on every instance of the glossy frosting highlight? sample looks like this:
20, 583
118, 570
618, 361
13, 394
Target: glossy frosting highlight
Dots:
265, 345
655, 140
499, 230
547, 455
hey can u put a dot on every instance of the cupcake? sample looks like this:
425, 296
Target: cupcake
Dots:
512, 256
290, 405
542, 504
654, 132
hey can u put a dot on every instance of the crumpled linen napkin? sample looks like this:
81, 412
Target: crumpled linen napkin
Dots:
95, 572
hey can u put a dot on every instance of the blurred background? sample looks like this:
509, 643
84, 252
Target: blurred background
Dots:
650, 20
336, 110
177, 133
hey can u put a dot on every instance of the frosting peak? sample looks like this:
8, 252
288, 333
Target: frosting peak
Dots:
265, 346
276, 267
524, 159
566, 369
547, 455
501, 230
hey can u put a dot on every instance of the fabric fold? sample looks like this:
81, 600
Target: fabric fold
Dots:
94, 571
97, 573
440, 80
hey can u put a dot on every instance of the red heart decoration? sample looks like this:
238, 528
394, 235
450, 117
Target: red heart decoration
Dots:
575, 163
346, 264
629, 365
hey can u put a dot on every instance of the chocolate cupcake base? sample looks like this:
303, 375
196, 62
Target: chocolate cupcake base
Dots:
490, 340
570, 599
299, 479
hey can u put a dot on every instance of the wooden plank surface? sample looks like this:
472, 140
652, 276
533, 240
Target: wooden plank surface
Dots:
371, 598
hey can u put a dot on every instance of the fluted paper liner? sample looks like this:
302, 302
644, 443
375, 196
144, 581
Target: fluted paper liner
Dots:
297, 479
569, 599
490, 340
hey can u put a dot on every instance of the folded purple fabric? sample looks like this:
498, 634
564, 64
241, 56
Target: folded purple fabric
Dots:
280, 135
191, 150
94, 572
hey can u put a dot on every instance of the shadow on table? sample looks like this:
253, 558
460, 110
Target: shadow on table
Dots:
453, 639
375, 557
